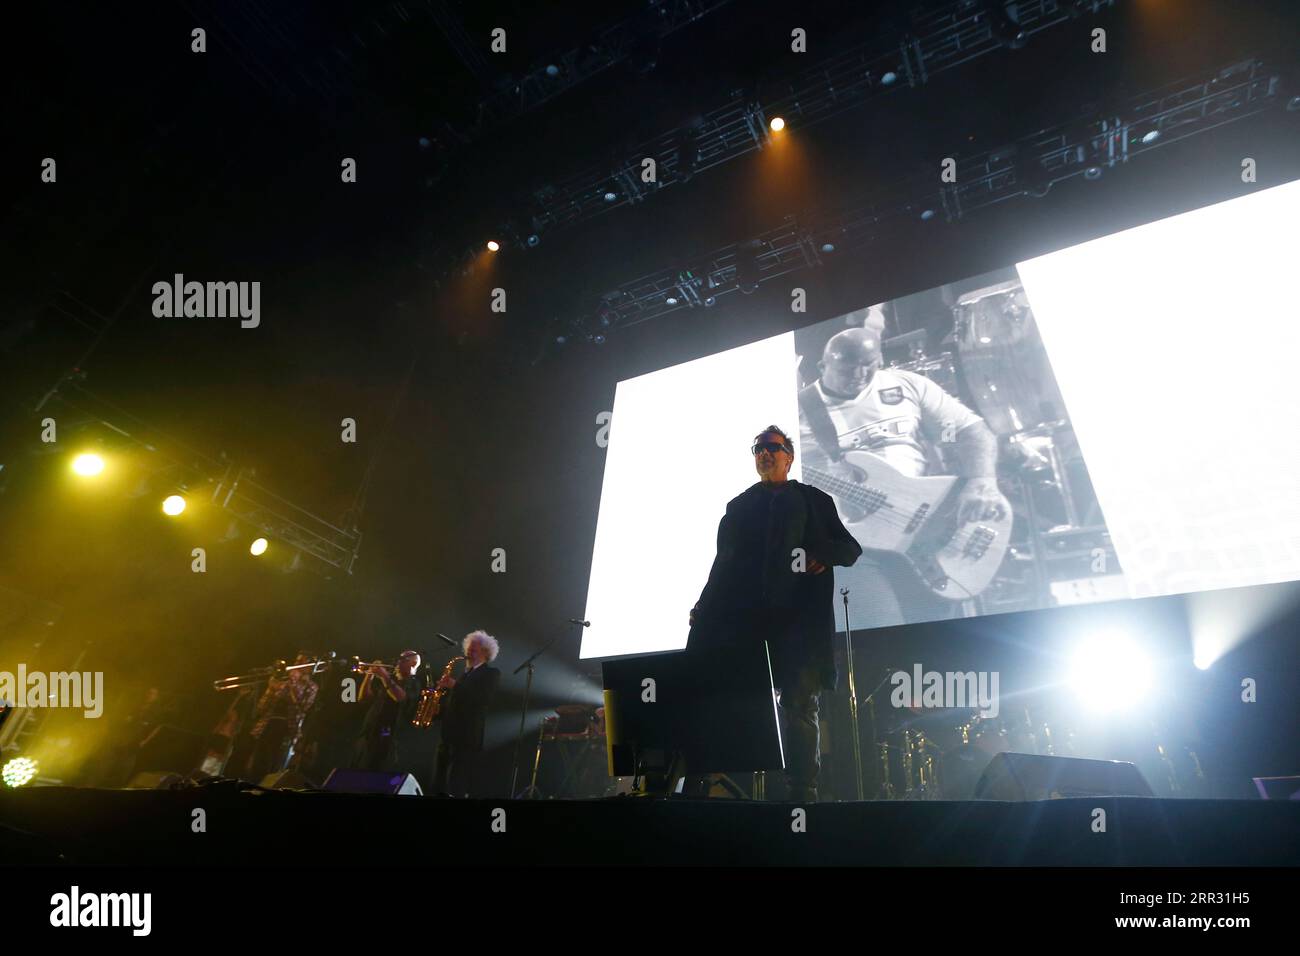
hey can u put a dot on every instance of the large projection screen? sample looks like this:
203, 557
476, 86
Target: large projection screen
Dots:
1139, 388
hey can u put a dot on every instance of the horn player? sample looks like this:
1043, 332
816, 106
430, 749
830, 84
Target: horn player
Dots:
393, 694
463, 714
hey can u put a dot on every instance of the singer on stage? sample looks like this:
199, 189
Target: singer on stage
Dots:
770, 580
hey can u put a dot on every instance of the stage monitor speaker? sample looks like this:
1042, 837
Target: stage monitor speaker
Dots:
170, 748
715, 704
1277, 788
287, 780
156, 780
342, 780
1012, 776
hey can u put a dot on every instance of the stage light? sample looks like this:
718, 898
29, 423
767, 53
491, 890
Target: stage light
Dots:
777, 124
610, 195
1005, 29
1110, 672
889, 79
552, 70
1093, 173
828, 247
257, 547
533, 241
493, 245
88, 464
173, 505
927, 214
19, 771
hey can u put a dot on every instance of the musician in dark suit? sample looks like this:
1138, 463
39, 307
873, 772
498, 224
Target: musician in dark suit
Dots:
769, 581
463, 714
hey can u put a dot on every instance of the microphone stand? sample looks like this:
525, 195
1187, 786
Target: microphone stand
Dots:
853, 695
886, 785
523, 714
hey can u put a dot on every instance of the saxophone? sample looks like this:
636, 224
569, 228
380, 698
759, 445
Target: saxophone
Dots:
430, 705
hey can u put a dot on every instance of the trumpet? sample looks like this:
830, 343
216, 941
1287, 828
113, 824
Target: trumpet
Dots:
358, 666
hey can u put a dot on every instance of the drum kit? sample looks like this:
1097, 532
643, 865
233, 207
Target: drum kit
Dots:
941, 754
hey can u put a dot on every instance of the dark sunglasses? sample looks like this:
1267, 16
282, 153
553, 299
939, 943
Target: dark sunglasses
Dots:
772, 446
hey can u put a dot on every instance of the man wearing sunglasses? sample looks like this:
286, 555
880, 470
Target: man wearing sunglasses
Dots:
769, 581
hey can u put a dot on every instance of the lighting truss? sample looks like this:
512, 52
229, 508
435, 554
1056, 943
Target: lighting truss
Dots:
284, 522
608, 48
234, 490
940, 40
1030, 166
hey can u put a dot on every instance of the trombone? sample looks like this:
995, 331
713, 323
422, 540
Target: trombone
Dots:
260, 675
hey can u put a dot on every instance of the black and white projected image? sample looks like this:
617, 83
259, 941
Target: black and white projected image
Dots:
936, 424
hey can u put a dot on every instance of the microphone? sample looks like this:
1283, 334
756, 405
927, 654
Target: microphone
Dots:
574, 620
446, 638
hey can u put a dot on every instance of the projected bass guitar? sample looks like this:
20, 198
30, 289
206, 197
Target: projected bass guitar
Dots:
886, 510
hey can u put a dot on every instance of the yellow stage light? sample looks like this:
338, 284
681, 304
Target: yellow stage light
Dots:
493, 245
19, 771
257, 547
777, 124
173, 505
87, 464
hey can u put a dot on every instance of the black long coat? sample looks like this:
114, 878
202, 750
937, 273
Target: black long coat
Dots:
464, 709
740, 586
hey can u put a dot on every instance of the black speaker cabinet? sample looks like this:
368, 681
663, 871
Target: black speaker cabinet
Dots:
156, 780
287, 780
342, 780
1033, 777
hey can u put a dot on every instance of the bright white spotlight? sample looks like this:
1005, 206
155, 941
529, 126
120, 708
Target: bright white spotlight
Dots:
777, 124
88, 464
18, 771
493, 245
1110, 672
173, 505
257, 547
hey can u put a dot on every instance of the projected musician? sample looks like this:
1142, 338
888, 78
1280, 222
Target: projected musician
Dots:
769, 581
869, 433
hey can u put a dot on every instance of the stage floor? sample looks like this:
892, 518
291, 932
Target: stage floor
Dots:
153, 827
